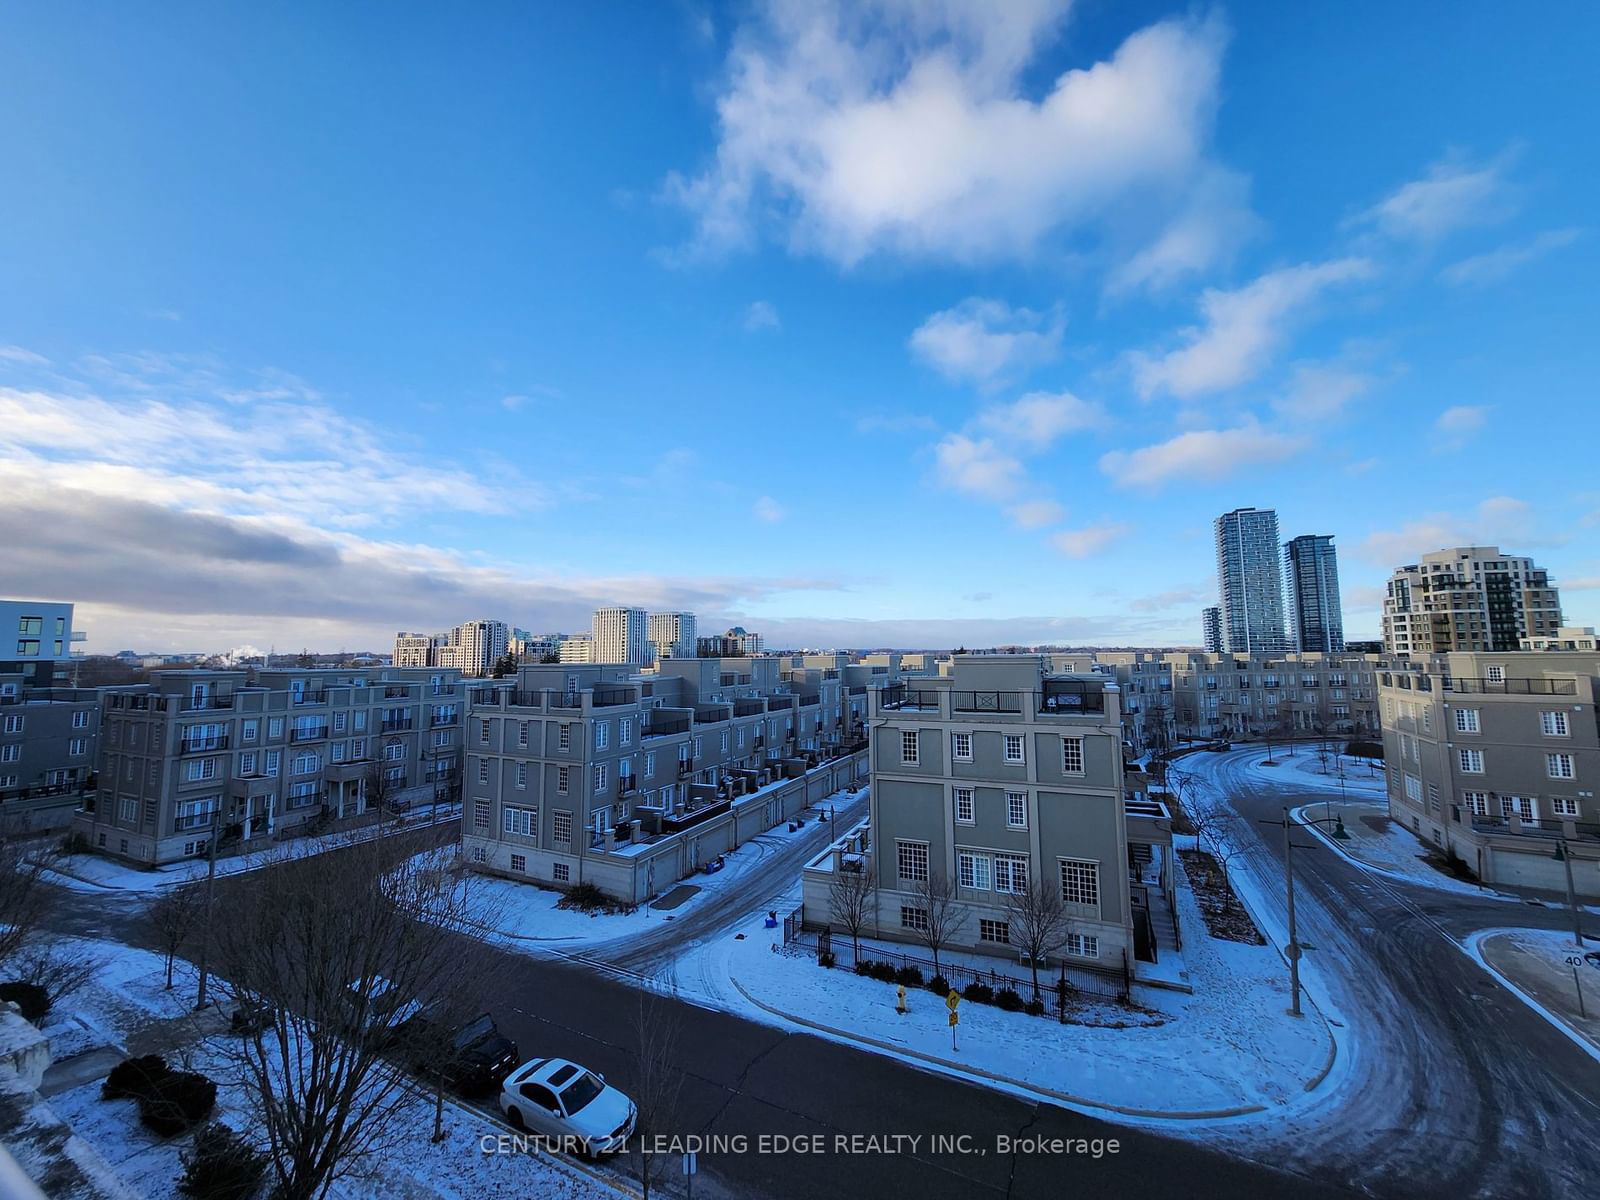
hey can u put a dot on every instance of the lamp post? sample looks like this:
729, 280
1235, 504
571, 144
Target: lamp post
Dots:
1292, 951
1564, 856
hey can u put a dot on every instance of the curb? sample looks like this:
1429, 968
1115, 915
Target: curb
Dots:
1472, 947
563, 1164
966, 1069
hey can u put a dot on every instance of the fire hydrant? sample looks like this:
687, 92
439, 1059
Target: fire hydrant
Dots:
900, 1005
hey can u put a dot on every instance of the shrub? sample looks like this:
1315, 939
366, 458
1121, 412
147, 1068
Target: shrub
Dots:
75, 843
825, 959
1034, 1008
939, 985
978, 993
134, 1077
178, 1100
882, 971
31, 999
220, 1165
910, 976
864, 966
585, 896
1008, 999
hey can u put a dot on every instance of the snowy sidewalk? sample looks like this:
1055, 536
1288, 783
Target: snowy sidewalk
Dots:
1537, 963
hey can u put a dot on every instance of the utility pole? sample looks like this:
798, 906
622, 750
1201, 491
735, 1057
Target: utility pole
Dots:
1565, 856
211, 889
1294, 944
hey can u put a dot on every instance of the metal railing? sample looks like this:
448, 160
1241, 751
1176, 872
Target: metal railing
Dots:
979, 702
399, 726
1513, 687
199, 745
314, 734
665, 725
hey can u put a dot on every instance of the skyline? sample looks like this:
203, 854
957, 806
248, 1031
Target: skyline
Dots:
334, 335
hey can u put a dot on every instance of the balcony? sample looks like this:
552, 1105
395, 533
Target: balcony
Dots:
314, 733
440, 721
898, 696
202, 703
201, 745
685, 768
401, 726
609, 697
710, 716
627, 784
309, 697
1071, 697
982, 702
660, 726
396, 691
1513, 687
749, 708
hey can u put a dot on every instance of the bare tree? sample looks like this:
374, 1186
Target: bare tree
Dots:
337, 951
936, 897
1210, 821
656, 1086
382, 793
173, 917
1037, 919
25, 896
853, 893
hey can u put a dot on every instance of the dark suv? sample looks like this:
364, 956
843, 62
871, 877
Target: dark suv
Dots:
472, 1059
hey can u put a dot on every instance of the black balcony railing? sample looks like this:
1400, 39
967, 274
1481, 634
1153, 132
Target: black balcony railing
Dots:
664, 725
396, 691
440, 720
201, 703
810, 701
748, 708
308, 733
399, 726
858, 689
308, 696
897, 695
1068, 697
982, 702
710, 716
608, 697
200, 745
1514, 687
685, 767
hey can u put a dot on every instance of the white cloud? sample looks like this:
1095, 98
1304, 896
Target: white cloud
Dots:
909, 129
1090, 540
1452, 195
761, 315
1215, 220
1320, 391
1243, 328
977, 467
514, 402
1456, 425
769, 510
1201, 454
1039, 418
1584, 583
17, 354
1498, 520
1036, 514
986, 341
1481, 269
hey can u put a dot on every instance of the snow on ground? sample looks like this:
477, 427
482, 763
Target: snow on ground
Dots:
1536, 964
126, 994
1385, 846
1303, 767
96, 874
1230, 1045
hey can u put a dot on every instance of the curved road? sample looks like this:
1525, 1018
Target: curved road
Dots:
1449, 1086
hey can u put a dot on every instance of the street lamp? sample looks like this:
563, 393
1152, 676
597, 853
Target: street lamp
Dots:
1564, 856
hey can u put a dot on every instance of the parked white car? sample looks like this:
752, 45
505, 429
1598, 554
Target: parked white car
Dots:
561, 1100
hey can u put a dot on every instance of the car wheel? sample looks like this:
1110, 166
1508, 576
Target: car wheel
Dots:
515, 1117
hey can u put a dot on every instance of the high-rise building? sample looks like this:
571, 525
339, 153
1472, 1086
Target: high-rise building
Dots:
1468, 598
621, 635
576, 648
736, 643
1250, 581
416, 649
672, 634
534, 647
1311, 576
1211, 627
480, 645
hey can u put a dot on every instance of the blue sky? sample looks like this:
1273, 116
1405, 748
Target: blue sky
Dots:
889, 324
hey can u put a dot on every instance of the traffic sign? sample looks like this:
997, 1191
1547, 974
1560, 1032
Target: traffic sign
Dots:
955, 1018
952, 1001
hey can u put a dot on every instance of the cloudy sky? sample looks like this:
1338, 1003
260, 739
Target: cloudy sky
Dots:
872, 324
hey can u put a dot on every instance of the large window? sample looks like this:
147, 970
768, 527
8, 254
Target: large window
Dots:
480, 814
1477, 803
913, 918
1072, 755
1080, 882
1471, 761
911, 860
994, 931
523, 821
196, 814
1017, 810
1558, 766
599, 778
974, 870
1553, 724
561, 827
1014, 748
908, 746
1085, 945
961, 747
1563, 806
963, 800
1466, 720
1010, 873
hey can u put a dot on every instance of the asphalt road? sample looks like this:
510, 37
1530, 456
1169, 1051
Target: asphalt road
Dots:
1451, 1086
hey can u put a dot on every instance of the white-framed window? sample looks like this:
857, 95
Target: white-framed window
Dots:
1495, 674
480, 854
441, 737
394, 751
1080, 882
274, 757
561, 872
961, 747
1413, 789
599, 778
129, 810
1014, 748
336, 752
650, 764
193, 814
77, 747
911, 860
994, 931
522, 733
483, 732
912, 917
625, 732
1471, 761
724, 742
481, 813
1553, 724
519, 862
358, 748
974, 870
908, 747
522, 775
563, 779
1072, 755
1010, 873
341, 721
1016, 810
1084, 945
395, 774
561, 826
1559, 766
200, 768
602, 734
483, 770
564, 737
1563, 806
14, 722
1477, 803
274, 728
247, 763
1518, 806
13, 753
80, 719
963, 806
1467, 720
521, 821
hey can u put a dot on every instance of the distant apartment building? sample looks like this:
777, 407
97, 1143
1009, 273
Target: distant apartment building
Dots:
734, 643
476, 646
416, 649
1311, 577
995, 774
37, 640
621, 635
1250, 580
528, 647
1494, 756
1468, 598
1568, 637
261, 755
1211, 628
576, 648
672, 635
48, 739
597, 773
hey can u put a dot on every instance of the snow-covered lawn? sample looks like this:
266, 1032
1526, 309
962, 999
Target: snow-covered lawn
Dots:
1384, 845
1230, 1045
1535, 964
1303, 767
127, 993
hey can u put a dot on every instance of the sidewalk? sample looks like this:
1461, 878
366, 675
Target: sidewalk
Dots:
1534, 963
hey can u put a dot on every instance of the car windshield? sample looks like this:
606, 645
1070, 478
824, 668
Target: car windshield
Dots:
475, 1032
580, 1093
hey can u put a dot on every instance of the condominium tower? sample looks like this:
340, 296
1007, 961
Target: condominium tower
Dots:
672, 634
621, 636
1468, 598
1311, 571
1250, 581
1211, 628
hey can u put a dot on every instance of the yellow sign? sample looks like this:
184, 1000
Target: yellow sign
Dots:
955, 1018
952, 1001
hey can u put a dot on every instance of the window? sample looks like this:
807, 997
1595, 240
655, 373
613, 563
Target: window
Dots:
564, 738
560, 872
1467, 720
1563, 806
13, 722
1084, 945
522, 774
1553, 724
521, 821
129, 810
522, 733
561, 827
480, 814
913, 918
394, 751
480, 854
625, 733
194, 814
908, 746
483, 770
273, 759
563, 779
77, 747
274, 728
1413, 789
341, 721
80, 720
974, 870
1517, 806
1559, 766
395, 774
1014, 748
994, 931
911, 860
1495, 674
602, 734
650, 765
1471, 761
247, 763
306, 764
1016, 810
441, 737
1477, 803
961, 747
200, 768
1080, 882
11, 753
599, 778
519, 862
963, 798
1010, 873
1072, 755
